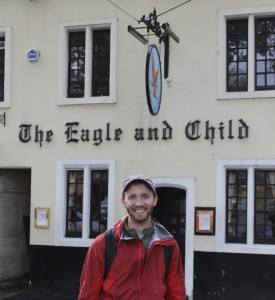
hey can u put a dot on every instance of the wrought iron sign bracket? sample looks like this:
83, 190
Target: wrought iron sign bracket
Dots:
162, 32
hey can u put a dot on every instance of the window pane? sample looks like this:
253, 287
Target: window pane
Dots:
242, 81
270, 205
270, 66
232, 177
231, 230
270, 28
260, 191
260, 66
260, 53
232, 81
260, 177
233, 67
233, 56
260, 231
270, 53
242, 43
242, 55
270, 79
270, 39
74, 203
242, 67
242, 231
232, 190
242, 204
98, 202
270, 177
231, 203
260, 41
260, 80
237, 37
260, 204
260, 27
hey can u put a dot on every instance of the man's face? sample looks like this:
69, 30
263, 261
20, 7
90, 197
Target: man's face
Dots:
139, 201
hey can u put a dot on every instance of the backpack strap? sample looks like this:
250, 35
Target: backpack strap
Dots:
110, 249
168, 250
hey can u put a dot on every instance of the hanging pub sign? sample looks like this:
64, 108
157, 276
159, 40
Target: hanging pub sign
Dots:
153, 68
153, 80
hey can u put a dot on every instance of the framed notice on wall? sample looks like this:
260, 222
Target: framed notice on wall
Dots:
205, 220
41, 217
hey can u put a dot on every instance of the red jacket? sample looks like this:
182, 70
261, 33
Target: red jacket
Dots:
136, 273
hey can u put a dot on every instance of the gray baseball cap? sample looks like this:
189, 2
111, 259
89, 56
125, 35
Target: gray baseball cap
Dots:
142, 178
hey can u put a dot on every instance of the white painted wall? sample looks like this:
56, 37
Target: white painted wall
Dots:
190, 95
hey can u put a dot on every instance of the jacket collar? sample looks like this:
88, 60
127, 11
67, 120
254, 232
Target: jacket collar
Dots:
160, 233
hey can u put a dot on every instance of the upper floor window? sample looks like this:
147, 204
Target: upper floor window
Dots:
245, 206
87, 62
85, 200
5, 42
246, 53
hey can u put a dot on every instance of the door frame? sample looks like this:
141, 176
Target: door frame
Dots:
188, 184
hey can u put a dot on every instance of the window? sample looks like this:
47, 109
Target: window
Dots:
85, 191
245, 206
5, 42
246, 53
98, 202
87, 62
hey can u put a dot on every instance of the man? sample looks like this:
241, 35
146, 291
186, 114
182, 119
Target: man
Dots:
138, 270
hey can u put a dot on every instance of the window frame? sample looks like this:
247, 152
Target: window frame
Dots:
229, 14
249, 247
88, 26
60, 208
6, 31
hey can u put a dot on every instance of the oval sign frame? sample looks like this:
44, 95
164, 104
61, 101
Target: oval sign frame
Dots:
153, 80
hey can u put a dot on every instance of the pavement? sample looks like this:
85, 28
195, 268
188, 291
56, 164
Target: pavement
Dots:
29, 294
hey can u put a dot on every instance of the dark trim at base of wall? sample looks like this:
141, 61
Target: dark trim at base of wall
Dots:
56, 269
216, 275
233, 276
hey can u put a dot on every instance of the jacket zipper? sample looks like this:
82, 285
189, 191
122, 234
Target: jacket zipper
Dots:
139, 265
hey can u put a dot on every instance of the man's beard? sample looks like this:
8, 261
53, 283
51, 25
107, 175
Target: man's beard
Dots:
144, 218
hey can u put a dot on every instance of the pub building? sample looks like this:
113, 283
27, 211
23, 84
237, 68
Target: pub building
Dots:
94, 91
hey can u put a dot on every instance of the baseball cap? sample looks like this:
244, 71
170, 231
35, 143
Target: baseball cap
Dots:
142, 178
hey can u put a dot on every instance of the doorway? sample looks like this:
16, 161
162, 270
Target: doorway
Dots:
183, 187
15, 191
170, 211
